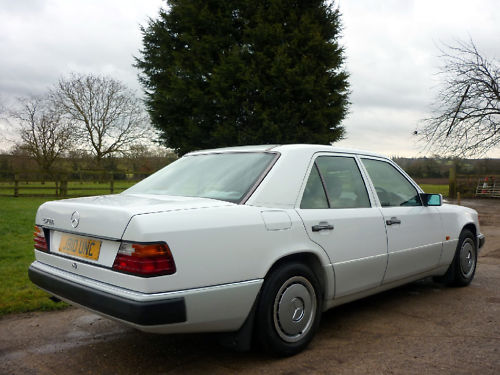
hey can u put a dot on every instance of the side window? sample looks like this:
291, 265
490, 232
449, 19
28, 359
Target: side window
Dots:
314, 194
393, 189
343, 182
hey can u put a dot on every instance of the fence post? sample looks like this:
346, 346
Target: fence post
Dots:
112, 183
16, 186
64, 187
452, 189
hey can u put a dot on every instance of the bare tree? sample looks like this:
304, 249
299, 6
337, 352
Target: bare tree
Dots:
5, 126
109, 117
44, 134
466, 112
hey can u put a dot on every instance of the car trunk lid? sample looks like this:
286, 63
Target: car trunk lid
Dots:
89, 229
107, 216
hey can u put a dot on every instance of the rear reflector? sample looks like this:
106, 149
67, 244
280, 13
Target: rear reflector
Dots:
39, 238
144, 259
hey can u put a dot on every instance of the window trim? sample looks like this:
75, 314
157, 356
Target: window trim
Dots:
261, 178
322, 183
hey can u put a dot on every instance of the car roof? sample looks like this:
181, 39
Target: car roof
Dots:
285, 148
252, 148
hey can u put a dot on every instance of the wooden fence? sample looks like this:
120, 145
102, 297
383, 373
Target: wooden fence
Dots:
27, 185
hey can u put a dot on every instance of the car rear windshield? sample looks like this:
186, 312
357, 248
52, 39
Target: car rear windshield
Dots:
224, 176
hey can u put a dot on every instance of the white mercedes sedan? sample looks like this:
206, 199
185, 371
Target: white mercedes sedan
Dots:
253, 241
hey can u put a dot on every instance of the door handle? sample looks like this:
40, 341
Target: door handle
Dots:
322, 226
393, 220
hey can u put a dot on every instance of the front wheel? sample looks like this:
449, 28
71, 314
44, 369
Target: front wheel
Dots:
463, 266
289, 309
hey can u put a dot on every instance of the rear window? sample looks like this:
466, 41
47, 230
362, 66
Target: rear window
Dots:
225, 176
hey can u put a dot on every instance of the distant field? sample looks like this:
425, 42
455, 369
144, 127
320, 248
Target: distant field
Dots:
435, 189
17, 293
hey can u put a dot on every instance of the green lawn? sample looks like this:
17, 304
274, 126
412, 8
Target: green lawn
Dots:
17, 217
17, 293
435, 189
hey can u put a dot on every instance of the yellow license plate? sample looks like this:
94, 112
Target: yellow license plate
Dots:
82, 247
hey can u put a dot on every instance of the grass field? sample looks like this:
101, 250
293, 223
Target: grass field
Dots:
17, 293
435, 189
17, 217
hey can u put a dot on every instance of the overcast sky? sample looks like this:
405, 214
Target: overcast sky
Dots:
391, 48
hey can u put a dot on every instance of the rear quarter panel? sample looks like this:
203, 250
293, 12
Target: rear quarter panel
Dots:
219, 245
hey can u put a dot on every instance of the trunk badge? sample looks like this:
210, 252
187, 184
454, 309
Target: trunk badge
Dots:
48, 221
74, 265
75, 219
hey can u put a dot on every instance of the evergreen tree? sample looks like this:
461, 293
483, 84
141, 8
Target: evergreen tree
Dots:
225, 73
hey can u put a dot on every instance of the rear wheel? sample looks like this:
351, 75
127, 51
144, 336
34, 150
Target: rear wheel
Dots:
463, 267
289, 309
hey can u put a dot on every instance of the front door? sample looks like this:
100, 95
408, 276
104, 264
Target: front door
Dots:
414, 231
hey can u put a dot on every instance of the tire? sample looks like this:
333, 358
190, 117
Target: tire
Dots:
289, 309
463, 267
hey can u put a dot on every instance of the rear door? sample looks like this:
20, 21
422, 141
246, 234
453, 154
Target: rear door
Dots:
414, 231
338, 215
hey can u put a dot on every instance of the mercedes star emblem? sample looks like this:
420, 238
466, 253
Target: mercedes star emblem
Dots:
75, 219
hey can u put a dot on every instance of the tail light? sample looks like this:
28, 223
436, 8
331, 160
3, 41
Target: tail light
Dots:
144, 259
39, 238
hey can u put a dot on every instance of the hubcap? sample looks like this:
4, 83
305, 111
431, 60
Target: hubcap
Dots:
467, 258
294, 309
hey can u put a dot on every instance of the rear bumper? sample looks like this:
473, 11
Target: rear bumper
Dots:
219, 308
138, 312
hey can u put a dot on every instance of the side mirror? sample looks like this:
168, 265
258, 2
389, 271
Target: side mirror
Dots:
431, 199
